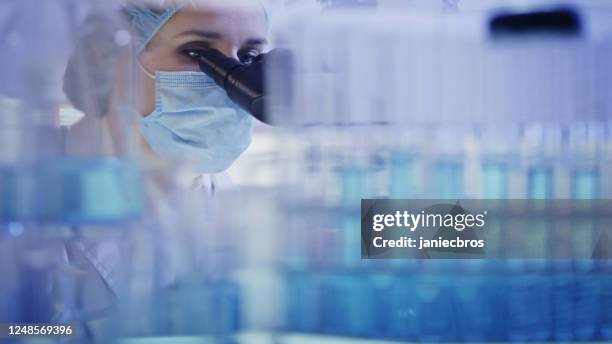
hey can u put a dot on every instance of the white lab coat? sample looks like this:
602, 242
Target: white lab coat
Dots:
95, 262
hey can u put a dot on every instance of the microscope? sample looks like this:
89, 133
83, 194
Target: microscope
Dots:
245, 83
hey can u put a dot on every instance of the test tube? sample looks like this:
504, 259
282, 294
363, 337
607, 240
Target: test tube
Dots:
605, 299
347, 305
355, 185
8, 194
302, 308
403, 312
587, 304
562, 294
588, 282
477, 298
585, 185
402, 176
349, 242
434, 311
448, 180
540, 183
528, 303
495, 180
528, 307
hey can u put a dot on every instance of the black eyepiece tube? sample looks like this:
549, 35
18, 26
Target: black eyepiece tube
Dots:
244, 83
559, 21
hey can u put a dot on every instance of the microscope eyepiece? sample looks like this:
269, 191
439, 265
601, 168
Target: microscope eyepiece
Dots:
243, 82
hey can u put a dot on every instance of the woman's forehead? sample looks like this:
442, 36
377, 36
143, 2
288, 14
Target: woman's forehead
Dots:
226, 5
228, 8
182, 3
248, 18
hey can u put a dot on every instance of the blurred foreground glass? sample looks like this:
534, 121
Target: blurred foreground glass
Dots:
384, 105
70, 182
484, 105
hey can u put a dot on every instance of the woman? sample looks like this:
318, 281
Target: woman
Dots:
182, 115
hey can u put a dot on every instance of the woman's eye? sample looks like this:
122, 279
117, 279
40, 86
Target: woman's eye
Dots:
192, 50
248, 55
192, 54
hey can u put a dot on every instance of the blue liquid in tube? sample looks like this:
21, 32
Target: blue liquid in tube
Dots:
403, 314
605, 277
402, 177
495, 181
528, 307
585, 185
448, 180
529, 289
216, 309
435, 317
474, 300
495, 187
381, 285
540, 184
350, 243
355, 186
11, 309
563, 304
34, 297
8, 194
586, 303
588, 282
73, 191
347, 306
302, 306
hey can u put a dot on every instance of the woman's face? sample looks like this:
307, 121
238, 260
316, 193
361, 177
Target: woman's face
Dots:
237, 29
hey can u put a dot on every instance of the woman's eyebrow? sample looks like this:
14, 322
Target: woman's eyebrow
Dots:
256, 41
201, 33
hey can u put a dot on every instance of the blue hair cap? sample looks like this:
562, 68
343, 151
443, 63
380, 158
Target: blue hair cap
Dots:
148, 20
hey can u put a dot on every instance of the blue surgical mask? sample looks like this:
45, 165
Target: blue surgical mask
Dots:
194, 120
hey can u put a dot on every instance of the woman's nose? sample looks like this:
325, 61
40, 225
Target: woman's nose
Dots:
229, 51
